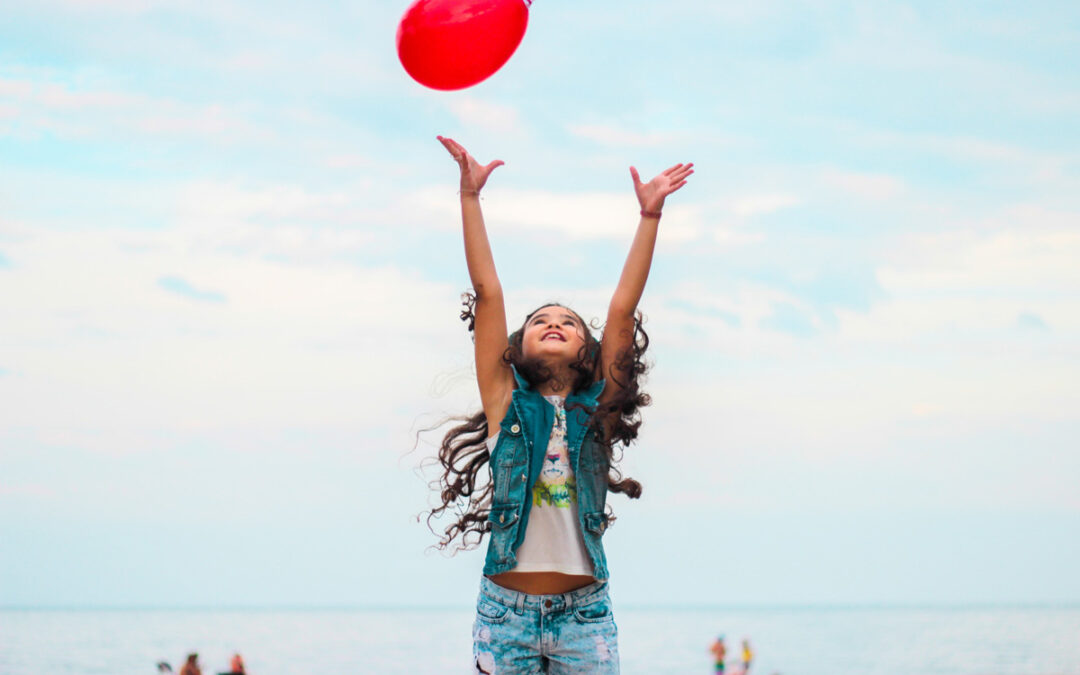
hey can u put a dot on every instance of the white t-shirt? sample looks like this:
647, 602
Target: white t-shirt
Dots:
553, 541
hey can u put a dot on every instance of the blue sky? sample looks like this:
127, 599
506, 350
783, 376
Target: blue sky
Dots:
230, 268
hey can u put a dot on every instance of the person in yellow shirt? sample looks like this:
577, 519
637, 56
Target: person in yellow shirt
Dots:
747, 656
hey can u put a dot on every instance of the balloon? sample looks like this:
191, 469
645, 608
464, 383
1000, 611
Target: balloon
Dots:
453, 44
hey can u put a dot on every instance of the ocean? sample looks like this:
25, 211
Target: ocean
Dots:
794, 641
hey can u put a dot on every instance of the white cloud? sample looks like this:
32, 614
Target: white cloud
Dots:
762, 204
1038, 262
577, 216
32, 490
1005, 156
878, 187
616, 136
118, 364
732, 236
230, 202
73, 111
594, 215
488, 115
132, 6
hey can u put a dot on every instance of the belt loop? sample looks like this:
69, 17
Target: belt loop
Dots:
519, 606
569, 601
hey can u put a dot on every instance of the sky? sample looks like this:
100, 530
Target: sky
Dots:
231, 269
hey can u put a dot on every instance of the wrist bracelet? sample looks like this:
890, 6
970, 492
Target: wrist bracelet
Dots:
650, 214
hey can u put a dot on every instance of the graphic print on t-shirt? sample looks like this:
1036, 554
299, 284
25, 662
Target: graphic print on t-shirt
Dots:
556, 485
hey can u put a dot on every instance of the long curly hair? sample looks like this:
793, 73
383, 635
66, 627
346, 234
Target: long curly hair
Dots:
464, 487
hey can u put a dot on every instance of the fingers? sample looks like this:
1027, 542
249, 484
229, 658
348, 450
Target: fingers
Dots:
454, 148
635, 176
681, 175
672, 174
494, 165
673, 169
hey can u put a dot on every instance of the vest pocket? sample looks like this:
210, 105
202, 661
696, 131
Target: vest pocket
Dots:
504, 515
596, 522
503, 519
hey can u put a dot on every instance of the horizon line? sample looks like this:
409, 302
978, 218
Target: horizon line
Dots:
382, 607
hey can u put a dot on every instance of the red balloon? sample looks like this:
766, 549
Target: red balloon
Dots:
453, 44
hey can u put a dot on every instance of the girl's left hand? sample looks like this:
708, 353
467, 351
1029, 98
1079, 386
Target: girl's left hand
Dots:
651, 195
474, 175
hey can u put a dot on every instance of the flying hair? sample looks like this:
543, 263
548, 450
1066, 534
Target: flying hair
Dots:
465, 489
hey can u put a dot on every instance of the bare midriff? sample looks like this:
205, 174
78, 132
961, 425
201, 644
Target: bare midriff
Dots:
542, 583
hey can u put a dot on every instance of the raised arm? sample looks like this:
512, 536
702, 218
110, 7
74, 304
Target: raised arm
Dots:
619, 329
489, 332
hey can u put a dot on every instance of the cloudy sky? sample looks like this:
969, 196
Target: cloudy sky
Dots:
230, 272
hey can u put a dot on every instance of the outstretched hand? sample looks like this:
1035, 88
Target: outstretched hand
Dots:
473, 174
651, 195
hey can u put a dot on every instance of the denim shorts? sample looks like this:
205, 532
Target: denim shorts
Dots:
567, 633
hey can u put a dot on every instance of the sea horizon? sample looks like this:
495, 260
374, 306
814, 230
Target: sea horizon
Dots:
289, 607
1029, 639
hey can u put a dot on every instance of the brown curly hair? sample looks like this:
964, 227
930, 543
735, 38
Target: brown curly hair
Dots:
463, 452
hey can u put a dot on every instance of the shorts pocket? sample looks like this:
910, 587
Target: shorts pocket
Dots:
491, 612
597, 612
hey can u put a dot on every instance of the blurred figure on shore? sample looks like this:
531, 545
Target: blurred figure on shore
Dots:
164, 667
236, 665
719, 651
747, 656
191, 666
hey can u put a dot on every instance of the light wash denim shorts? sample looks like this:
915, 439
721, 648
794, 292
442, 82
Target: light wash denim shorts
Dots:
518, 633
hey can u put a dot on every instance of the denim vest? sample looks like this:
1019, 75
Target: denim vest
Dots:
515, 467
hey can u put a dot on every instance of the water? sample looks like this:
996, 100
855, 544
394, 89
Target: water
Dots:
1033, 641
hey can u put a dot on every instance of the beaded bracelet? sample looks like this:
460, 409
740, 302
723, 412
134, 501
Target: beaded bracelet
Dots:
650, 214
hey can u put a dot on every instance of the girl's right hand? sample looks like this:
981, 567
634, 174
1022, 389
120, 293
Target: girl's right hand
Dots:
473, 174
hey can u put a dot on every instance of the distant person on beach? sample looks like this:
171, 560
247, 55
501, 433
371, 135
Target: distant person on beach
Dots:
747, 656
719, 652
534, 467
191, 666
164, 667
236, 665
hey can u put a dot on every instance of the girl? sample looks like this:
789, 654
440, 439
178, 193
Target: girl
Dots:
555, 404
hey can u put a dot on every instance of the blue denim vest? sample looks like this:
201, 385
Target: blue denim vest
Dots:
515, 466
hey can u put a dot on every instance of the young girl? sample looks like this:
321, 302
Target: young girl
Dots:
555, 404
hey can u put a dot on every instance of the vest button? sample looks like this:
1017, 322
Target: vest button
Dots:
502, 517
516, 429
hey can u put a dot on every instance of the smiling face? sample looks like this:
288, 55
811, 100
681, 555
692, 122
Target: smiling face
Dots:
553, 333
